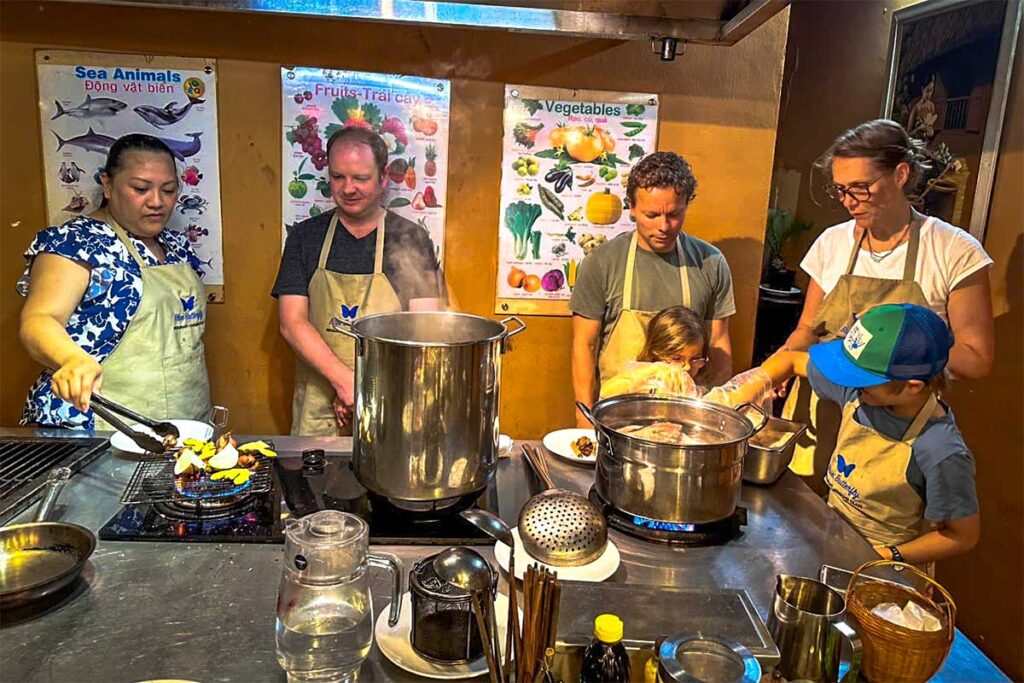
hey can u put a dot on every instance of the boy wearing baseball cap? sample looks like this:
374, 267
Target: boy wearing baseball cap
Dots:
901, 473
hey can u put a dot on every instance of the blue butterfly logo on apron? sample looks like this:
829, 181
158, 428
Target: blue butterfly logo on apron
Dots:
845, 468
188, 303
349, 312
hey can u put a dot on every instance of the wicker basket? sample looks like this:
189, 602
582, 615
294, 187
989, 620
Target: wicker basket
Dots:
896, 654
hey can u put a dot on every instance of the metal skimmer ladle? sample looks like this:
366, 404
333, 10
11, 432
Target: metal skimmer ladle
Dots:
557, 526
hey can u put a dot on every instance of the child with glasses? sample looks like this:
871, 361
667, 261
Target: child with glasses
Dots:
672, 360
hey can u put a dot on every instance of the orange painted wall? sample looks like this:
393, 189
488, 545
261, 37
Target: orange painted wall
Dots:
835, 77
719, 108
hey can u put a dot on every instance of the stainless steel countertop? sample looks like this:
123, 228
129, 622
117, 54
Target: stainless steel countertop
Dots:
205, 612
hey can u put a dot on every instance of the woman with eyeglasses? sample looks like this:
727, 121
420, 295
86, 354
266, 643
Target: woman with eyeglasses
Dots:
886, 253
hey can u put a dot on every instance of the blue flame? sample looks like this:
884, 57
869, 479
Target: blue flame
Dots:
661, 526
219, 493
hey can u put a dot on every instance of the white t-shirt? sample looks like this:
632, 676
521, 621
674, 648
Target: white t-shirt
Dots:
945, 257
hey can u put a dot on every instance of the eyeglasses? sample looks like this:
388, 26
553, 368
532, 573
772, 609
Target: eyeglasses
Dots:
693, 363
859, 191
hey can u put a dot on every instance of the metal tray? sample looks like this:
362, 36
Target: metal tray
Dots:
653, 612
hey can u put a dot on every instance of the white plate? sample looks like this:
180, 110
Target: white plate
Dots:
560, 443
396, 645
189, 429
596, 571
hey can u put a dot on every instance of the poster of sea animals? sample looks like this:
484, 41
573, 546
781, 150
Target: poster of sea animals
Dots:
88, 100
410, 114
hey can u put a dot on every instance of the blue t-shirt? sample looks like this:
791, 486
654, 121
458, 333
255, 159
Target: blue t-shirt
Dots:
941, 468
110, 301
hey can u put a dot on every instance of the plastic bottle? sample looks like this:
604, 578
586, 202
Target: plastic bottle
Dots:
605, 659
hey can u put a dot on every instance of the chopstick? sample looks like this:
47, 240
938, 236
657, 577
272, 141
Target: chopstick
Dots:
541, 597
492, 666
513, 641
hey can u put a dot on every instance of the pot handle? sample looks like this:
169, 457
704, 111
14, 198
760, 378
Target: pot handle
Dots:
856, 649
392, 564
345, 327
587, 414
54, 485
759, 409
511, 333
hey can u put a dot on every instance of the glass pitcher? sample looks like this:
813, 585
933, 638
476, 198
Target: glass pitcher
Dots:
324, 609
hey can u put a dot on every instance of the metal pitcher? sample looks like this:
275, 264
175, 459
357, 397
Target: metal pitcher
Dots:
807, 624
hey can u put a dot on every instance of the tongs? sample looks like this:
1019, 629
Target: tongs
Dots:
109, 410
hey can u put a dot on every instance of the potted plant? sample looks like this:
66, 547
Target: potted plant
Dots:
781, 228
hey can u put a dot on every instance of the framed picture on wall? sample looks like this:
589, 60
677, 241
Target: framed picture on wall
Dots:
949, 73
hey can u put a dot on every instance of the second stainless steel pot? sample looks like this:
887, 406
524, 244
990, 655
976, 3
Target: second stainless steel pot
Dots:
426, 403
690, 484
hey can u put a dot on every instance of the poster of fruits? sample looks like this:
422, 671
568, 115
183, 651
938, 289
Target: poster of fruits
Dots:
566, 158
89, 100
408, 112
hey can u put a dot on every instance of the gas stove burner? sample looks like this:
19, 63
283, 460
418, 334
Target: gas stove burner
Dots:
672, 533
422, 511
213, 508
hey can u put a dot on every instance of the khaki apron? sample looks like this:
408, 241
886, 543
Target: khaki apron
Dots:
852, 296
347, 297
159, 366
867, 480
626, 340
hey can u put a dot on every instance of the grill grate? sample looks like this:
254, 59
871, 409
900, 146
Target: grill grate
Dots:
153, 482
26, 460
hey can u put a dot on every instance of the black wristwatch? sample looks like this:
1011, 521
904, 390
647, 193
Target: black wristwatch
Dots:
897, 556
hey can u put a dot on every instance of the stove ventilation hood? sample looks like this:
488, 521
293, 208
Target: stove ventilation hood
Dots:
667, 24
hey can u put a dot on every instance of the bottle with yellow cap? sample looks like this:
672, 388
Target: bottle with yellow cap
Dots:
605, 659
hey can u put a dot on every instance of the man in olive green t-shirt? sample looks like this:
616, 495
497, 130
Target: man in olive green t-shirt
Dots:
670, 268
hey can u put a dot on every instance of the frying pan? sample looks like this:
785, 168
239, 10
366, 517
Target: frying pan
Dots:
40, 557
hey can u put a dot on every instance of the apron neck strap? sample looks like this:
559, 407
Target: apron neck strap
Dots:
627, 285
378, 257
122, 234
913, 244
919, 421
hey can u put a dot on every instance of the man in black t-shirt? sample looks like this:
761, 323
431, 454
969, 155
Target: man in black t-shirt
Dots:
334, 266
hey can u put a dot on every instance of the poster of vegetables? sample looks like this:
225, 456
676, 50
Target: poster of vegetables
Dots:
88, 100
566, 158
408, 112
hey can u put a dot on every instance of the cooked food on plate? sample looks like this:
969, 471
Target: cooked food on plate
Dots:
583, 447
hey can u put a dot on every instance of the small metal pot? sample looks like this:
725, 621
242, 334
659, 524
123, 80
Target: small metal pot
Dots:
691, 484
764, 465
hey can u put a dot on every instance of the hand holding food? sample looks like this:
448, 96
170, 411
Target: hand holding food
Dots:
77, 379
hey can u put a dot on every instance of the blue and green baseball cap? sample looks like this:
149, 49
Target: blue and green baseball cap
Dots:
889, 342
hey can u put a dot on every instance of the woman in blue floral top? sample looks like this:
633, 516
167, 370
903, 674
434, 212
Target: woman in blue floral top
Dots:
114, 300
